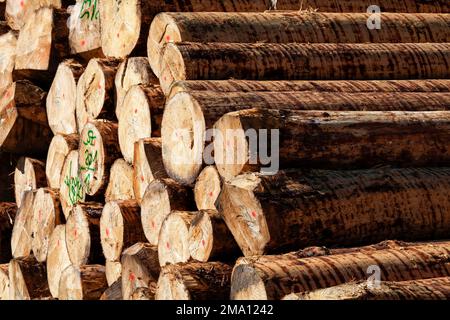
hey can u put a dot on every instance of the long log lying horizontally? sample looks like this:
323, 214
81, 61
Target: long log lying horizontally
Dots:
8, 211
141, 115
297, 61
288, 27
120, 185
82, 283
293, 209
421, 289
23, 121
57, 258
161, 197
61, 99
273, 277
329, 139
194, 281
28, 175
187, 116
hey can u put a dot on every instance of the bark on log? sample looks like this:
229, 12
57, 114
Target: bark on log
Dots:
23, 121
83, 234
71, 189
297, 61
58, 150
120, 186
427, 85
84, 29
295, 209
329, 140
114, 291
4, 282
161, 197
82, 283
147, 165
132, 72
8, 42
207, 188
140, 269
61, 99
57, 259
28, 175
27, 279
120, 227
113, 271
194, 281
99, 148
422, 289
95, 91
141, 116
143, 294
210, 239
188, 115
21, 233
42, 44
8, 162
288, 27
8, 211
46, 215
173, 242
273, 277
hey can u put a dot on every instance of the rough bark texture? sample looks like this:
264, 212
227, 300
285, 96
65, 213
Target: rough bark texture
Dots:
422, 289
23, 122
194, 281
273, 277
8, 162
114, 291
120, 186
295, 209
28, 175
297, 61
27, 279
82, 283
8, 212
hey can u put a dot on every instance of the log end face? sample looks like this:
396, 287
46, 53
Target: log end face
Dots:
57, 258
170, 286
17, 287
246, 284
78, 238
112, 231
207, 189
173, 244
71, 188
70, 286
56, 156
201, 237
172, 67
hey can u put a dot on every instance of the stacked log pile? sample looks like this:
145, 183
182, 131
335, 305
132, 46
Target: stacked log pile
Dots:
157, 150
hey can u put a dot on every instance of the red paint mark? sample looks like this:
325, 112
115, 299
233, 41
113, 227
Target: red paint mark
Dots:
117, 34
142, 178
107, 232
153, 224
203, 242
211, 194
83, 42
135, 110
167, 245
99, 87
167, 38
22, 3
57, 244
254, 214
132, 277
164, 78
40, 215
75, 233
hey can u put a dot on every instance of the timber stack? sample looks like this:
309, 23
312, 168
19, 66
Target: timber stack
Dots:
224, 149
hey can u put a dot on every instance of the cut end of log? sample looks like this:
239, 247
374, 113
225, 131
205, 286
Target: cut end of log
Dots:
155, 207
246, 284
58, 150
112, 231
172, 67
207, 188
71, 189
201, 237
4, 282
27, 279
113, 270
27, 177
182, 133
120, 186
57, 258
82, 283
21, 235
171, 285
78, 237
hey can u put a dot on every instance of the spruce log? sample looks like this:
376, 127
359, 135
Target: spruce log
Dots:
207, 188
293, 209
143, 294
57, 258
187, 116
46, 215
140, 269
8, 42
71, 189
58, 150
173, 242
131, 72
288, 27
8, 162
83, 234
147, 165
4, 282
99, 148
120, 227
141, 116
84, 29
194, 281
61, 99
210, 239
120, 186
21, 237
23, 121
273, 277
27, 279
114, 291
82, 283
427, 85
329, 140
95, 91
8, 211
421, 289
113, 271
28, 175
42, 44
297, 61
161, 197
